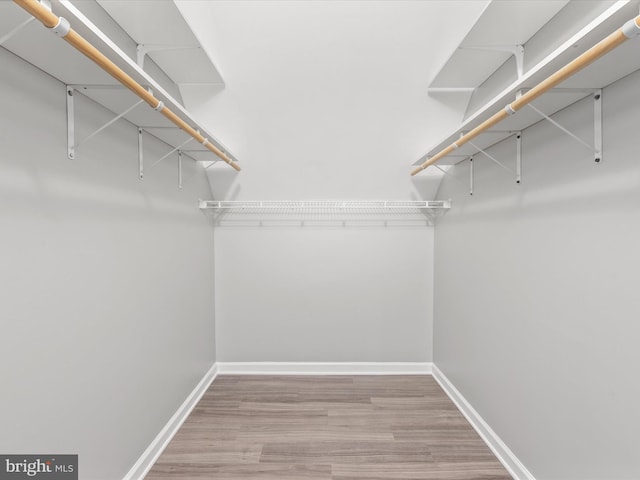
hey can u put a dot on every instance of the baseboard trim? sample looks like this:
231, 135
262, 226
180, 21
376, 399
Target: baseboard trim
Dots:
324, 368
155, 449
513, 465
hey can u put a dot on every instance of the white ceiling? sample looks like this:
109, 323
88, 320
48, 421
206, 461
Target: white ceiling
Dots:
327, 99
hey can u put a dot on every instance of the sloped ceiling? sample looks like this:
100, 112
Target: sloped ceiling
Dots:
327, 99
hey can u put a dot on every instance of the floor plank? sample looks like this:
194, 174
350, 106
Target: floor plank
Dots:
326, 428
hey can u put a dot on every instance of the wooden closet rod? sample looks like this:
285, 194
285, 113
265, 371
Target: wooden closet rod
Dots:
628, 30
61, 27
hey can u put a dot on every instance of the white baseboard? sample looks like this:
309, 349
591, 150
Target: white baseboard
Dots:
151, 454
513, 465
324, 368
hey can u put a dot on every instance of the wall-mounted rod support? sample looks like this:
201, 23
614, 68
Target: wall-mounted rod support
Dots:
179, 169
143, 50
560, 127
471, 176
516, 50
449, 174
597, 125
628, 30
61, 27
71, 125
518, 157
491, 157
71, 133
140, 155
110, 122
177, 149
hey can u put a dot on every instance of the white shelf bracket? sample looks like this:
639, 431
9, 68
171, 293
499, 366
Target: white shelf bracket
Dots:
176, 149
10, 34
491, 157
143, 49
516, 50
470, 175
211, 163
518, 136
449, 174
71, 135
518, 157
150, 128
140, 155
596, 147
180, 169
109, 123
597, 125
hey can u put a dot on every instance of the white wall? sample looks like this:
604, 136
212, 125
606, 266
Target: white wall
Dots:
106, 282
324, 294
536, 309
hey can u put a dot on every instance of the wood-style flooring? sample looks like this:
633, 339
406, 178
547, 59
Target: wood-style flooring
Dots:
326, 428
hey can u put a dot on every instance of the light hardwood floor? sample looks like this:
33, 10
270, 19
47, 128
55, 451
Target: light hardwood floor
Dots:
326, 428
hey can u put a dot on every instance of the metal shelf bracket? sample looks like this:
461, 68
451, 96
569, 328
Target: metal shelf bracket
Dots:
140, 154
518, 157
71, 134
178, 149
496, 161
516, 50
174, 150
180, 169
445, 172
143, 49
518, 170
596, 147
71, 124
470, 176
11, 33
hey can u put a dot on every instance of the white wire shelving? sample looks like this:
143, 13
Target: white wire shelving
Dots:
325, 212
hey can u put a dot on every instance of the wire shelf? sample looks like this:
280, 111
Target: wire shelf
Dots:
325, 212
324, 204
